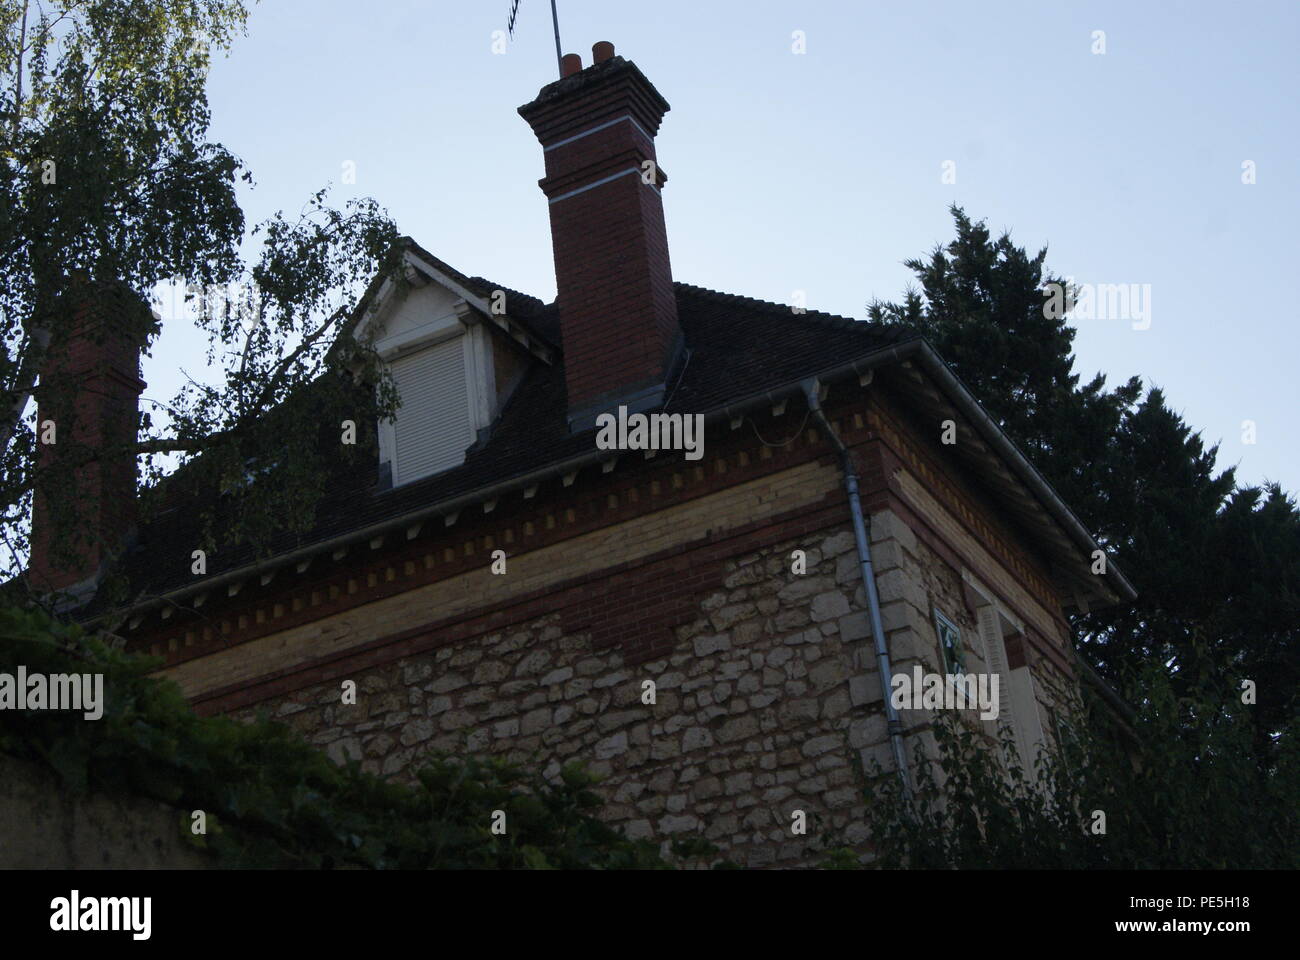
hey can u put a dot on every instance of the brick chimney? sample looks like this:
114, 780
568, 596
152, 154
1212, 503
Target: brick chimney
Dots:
614, 284
83, 509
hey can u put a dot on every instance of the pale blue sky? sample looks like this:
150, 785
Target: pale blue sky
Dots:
821, 172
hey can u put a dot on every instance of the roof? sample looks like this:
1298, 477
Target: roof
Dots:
737, 347
738, 350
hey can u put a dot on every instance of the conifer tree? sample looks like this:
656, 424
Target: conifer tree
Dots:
1215, 565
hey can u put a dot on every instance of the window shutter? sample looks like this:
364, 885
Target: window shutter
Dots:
432, 427
1029, 727
996, 657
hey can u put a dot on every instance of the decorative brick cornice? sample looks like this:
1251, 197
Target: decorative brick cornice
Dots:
554, 514
964, 503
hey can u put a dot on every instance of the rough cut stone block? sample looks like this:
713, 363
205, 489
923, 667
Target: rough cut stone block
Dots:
732, 614
535, 721
417, 731
865, 731
827, 673
506, 728
864, 688
678, 824
788, 620
895, 615
816, 746
848, 569
612, 746
741, 728
708, 645
794, 712
610, 679
855, 626
556, 676
340, 751
839, 543
804, 587
638, 830
778, 656
829, 606
533, 663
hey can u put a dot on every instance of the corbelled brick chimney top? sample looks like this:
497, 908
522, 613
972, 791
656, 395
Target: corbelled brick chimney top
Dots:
614, 283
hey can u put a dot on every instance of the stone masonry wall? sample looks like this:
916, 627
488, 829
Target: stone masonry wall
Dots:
766, 681
767, 696
914, 579
43, 828
759, 709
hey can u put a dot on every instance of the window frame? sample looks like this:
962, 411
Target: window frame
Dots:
942, 621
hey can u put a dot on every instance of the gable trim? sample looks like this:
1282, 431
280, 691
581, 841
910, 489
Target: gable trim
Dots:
475, 306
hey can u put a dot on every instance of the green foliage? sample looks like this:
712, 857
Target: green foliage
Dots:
1217, 571
105, 175
109, 187
1216, 566
1189, 793
272, 800
980, 304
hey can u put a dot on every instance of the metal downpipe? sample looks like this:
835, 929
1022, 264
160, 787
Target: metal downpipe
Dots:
894, 725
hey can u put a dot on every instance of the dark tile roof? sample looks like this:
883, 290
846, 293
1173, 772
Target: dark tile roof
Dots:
737, 347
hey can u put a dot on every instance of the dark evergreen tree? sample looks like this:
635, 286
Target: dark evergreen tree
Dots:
981, 305
1216, 567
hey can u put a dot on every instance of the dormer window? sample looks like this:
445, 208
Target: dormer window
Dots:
440, 358
453, 360
442, 369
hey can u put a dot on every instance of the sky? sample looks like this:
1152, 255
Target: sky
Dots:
1119, 135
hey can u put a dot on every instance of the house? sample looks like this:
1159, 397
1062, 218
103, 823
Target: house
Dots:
708, 632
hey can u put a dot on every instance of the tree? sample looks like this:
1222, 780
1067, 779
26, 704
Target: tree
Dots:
980, 304
1189, 792
108, 182
1216, 566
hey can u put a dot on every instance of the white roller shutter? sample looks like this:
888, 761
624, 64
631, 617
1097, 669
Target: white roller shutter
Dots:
1029, 726
995, 656
432, 428
1017, 704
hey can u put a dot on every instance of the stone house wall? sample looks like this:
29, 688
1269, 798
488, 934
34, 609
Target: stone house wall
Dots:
754, 716
680, 573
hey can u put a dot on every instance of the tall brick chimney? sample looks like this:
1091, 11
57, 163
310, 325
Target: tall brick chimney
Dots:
83, 509
614, 284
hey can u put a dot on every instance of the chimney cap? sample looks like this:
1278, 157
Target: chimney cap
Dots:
647, 103
602, 51
570, 64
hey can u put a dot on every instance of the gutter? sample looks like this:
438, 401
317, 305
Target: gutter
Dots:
812, 388
992, 432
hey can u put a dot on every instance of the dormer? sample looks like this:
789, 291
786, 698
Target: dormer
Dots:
455, 356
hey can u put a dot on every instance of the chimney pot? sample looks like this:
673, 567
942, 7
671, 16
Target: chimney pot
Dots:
570, 64
602, 51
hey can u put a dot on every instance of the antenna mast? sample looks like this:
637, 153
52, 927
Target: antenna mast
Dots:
559, 57
555, 20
